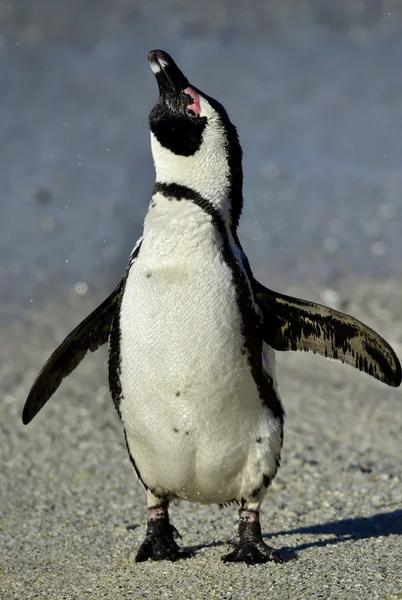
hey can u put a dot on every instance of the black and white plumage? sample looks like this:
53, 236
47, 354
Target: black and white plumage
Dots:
192, 333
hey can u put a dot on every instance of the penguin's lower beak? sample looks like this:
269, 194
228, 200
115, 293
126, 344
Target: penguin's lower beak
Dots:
171, 80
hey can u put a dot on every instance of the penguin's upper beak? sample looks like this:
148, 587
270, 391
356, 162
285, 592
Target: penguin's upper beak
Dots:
171, 80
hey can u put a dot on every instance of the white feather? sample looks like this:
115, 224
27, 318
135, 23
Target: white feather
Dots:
191, 408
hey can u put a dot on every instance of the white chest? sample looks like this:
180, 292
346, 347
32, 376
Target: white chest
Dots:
189, 399
180, 322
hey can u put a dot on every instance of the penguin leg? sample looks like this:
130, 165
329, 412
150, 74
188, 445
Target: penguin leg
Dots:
160, 540
249, 546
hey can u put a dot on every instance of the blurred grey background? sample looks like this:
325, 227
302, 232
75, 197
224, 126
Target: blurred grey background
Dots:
314, 87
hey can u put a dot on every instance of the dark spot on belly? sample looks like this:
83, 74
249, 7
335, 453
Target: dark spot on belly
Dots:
149, 274
255, 492
187, 433
259, 440
266, 480
177, 394
175, 430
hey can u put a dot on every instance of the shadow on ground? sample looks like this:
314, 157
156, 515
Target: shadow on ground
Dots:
358, 528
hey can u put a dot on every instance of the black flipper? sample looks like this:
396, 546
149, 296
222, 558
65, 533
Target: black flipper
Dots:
88, 335
294, 324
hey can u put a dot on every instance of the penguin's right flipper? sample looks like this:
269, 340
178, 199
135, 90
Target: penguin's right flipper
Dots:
88, 335
295, 324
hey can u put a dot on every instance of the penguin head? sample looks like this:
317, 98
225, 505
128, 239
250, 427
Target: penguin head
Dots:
193, 141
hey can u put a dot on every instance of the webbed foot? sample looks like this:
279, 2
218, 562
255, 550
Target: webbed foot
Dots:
252, 553
160, 540
249, 546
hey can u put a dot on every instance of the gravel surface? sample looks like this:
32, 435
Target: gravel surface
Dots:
73, 514
315, 88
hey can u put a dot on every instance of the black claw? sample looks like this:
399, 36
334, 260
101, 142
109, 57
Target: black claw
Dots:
175, 533
252, 553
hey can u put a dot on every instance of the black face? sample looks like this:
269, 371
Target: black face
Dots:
174, 123
174, 129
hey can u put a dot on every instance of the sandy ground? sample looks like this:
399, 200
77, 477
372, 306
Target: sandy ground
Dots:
73, 514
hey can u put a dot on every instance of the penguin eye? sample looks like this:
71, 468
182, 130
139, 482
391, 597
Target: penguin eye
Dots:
191, 112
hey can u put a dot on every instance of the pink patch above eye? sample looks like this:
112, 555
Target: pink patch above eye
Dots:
195, 106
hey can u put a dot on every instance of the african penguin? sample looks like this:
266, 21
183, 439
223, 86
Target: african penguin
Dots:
192, 334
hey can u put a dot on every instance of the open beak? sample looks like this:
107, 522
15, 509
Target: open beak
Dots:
171, 80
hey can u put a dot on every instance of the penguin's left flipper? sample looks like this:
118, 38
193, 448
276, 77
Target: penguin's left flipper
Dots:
295, 324
88, 335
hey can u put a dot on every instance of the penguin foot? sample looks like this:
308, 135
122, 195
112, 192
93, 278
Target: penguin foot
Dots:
252, 552
159, 543
160, 547
249, 546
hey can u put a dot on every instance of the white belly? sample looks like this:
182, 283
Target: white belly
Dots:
190, 407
